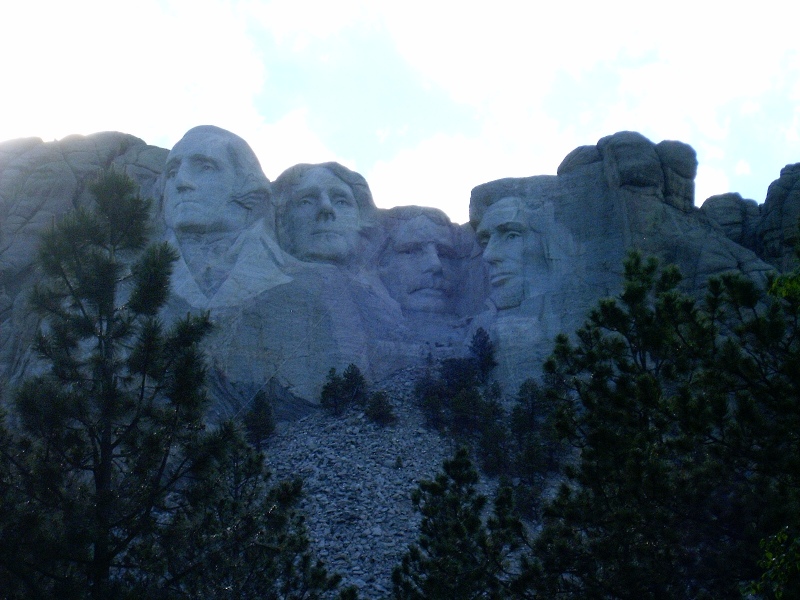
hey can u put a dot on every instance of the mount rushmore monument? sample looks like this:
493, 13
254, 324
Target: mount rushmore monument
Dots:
305, 273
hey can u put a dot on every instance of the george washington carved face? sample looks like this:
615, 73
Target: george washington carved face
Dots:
213, 183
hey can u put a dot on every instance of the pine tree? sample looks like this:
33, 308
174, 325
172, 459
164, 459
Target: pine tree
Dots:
234, 535
379, 409
482, 351
112, 486
457, 555
259, 420
536, 453
682, 414
341, 391
781, 564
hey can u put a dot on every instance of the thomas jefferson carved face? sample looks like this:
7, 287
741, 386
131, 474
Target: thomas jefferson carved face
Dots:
418, 264
199, 188
504, 235
322, 218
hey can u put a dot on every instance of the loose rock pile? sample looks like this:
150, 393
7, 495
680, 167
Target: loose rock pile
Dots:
358, 478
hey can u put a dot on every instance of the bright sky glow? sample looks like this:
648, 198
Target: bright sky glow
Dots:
426, 99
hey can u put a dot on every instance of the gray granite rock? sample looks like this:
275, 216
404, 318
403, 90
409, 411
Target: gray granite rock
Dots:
216, 210
424, 261
738, 218
679, 163
307, 274
358, 478
573, 232
582, 155
630, 159
297, 284
325, 213
39, 182
777, 232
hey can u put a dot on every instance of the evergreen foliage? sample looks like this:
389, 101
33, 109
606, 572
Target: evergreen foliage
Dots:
457, 555
342, 391
458, 399
482, 351
259, 420
379, 409
112, 487
536, 452
233, 535
781, 565
685, 416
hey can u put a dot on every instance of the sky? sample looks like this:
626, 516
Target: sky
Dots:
426, 99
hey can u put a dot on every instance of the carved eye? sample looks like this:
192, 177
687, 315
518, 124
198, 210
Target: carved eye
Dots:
171, 173
342, 201
512, 235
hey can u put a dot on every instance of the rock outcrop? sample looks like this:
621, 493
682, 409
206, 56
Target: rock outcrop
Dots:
624, 193
307, 274
777, 231
738, 218
390, 290
39, 182
770, 230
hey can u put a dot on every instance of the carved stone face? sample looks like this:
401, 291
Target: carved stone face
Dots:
322, 218
199, 184
502, 233
418, 266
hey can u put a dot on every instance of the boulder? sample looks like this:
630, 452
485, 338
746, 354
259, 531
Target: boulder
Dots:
738, 218
777, 231
679, 163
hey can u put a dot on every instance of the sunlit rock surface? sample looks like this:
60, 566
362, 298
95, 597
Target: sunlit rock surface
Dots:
305, 273
39, 182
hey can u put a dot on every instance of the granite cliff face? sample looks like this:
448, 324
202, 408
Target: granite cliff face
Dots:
305, 273
39, 182
768, 229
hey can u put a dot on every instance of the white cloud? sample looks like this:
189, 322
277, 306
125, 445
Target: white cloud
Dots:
710, 181
153, 71
158, 67
792, 131
679, 73
743, 167
287, 142
442, 170
297, 24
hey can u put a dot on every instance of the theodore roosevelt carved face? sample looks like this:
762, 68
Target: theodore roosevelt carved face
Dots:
321, 212
418, 263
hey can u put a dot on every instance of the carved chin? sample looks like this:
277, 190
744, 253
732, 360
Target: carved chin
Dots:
426, 300
508, 295
325, 247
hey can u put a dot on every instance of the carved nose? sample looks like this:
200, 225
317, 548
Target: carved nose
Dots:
490, 254
432, 263
182, 182
325, 211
